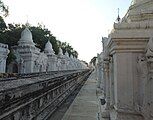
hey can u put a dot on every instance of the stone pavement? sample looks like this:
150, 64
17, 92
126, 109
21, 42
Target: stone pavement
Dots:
86, 105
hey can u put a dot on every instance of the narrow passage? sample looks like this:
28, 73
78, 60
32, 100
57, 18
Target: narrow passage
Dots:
86, 105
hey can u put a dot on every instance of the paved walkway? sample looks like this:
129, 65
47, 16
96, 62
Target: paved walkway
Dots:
86, 104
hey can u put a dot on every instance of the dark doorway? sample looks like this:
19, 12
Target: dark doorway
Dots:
15, 68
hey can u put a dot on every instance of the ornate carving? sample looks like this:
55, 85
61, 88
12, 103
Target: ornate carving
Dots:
145, 70
149, 50
40, 63
142, 66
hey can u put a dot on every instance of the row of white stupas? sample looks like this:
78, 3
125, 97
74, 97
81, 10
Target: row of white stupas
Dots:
29, 59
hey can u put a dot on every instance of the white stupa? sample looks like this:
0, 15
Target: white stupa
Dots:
71, 56
26, 38
60, 52
67, 54
48, 48
27, 52
52, 58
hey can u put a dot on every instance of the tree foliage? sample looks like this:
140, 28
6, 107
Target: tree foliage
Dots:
3, 9
2, 24
11, 34
93, 61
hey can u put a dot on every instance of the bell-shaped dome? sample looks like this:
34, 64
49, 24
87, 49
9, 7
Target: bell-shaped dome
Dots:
26, 37
66, 54
71, 56
26, 34
48, 48
60, 52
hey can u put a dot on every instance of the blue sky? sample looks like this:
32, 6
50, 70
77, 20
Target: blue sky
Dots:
81, 23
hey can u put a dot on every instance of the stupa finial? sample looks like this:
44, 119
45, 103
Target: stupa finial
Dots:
118, 17
27, 22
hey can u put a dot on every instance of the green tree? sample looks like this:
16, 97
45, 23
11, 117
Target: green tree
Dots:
93, 60
3, 9
2, 24
67, 47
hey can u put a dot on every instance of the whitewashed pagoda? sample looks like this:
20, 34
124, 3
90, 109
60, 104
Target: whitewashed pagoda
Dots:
62, 63
128, 65
52, 58
26, 52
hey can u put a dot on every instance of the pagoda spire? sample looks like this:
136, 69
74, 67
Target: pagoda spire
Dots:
118, 17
